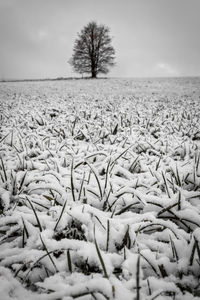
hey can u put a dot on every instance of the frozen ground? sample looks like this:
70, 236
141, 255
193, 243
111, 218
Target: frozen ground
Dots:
100, 189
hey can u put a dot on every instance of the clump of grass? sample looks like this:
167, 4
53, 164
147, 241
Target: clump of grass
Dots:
150, 264
97, 180
133, 165
197, 248
120, 155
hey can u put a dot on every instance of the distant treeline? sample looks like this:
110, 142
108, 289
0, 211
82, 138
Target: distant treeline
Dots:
48, 79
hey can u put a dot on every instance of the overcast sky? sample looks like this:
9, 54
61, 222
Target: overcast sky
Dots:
151, 37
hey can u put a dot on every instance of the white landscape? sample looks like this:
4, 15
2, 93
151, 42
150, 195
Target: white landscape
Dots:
100, 189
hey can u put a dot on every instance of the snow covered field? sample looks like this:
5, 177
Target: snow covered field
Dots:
100, 189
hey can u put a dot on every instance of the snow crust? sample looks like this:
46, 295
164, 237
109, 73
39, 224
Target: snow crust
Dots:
100, 189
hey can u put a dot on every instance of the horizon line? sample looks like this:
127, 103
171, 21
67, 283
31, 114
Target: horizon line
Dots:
82, 78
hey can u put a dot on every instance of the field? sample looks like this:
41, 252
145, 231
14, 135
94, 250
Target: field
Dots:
100, 189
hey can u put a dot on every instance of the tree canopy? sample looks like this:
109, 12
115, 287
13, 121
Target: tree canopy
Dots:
93, 52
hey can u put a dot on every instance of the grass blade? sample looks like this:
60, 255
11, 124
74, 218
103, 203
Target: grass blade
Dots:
138, 287
106, 179
36, 216
69, 261
165, 182
72, 181
22, 181
108, 235
79, 196
100, 257
48, 253
3, 167
62, 211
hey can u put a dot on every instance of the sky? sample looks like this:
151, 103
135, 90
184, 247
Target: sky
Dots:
152, 38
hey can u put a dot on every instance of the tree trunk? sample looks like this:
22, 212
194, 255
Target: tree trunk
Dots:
93, 68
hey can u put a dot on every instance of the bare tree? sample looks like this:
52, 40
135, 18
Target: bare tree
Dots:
92, 52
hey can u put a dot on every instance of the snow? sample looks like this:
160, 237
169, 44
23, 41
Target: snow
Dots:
93, 175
